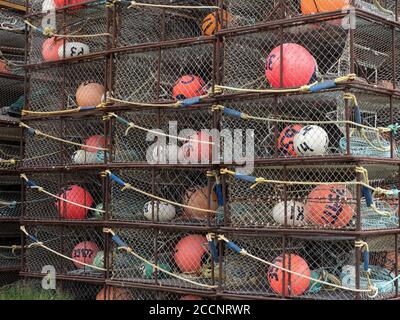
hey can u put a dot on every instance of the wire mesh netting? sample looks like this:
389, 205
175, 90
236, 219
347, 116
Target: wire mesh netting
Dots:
84, 30
322, 50
313, 197
142, 144
176, 196
148, 24
10, 254
314, 125
332, 260
252, 12
8, 277
73, 196
83, 142
183, 254
81, 84
10, 204
83, 245
164, 74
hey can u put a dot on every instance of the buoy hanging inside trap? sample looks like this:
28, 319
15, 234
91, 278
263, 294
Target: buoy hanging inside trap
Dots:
329, 205
90, 94
211, 23
318, 6
78, 195
190, 253
163, 212
298, 66
198, 198
294, 211
286, 139
4, 68
297, 284
84, 252
50, 49
311, 141
188, 86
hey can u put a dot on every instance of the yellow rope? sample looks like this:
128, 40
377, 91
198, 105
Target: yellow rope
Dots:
333, 285
60, 112
142, 104
49, 32
129, 186
362, 170
305, 88
163, 6
382, 9
130, 250
40, 244
41, 189
38, 132
158, 133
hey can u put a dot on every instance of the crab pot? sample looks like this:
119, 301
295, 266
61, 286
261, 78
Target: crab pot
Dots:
140, 25
89, 21
322, 49
10, 203
69, 196
151, 75
114, 292
83, 244
335, 260
56, 88
317, 197
9, 151
10, 259
173, 196
245, 13
321, 124
185, 254
144, 145
12, 91
83, 142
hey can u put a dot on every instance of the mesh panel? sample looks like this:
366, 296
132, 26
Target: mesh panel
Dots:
79, 189
81, 244
253, 11
310, 206
45, 152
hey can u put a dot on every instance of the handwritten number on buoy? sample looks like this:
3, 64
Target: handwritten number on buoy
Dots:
75, 52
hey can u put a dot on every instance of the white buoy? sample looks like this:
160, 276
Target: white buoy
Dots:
73, 49
311, 141
166, 212
295, 213
82, 157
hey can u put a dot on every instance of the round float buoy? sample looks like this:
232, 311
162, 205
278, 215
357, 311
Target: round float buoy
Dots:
73, 49
390, 261
211, 23
188, 86
329, 205
113, 293
297, 284
189, 253
318, 6
90, 94
311, 141
298, 66
295, 213
286, 139
97, 141
50, 49
78, 195
166, 212
82, 157
4, 67
197, 152
63, 3
84, 252
198, 198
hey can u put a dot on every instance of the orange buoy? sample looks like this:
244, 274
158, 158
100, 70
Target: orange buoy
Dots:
211, 24
60, 3
286, 139
199, 150
50, 49
90, 94
71, 211
290, 284
318, 6
198, 198
84, 252
329, 205
188, 86
113, 293
97, 141
298, 66
390, 261
189, 253
4, 68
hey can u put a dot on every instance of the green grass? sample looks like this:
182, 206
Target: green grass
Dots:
28, 291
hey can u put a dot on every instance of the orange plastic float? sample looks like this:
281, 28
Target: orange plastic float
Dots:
84, 252
189, 253
90, 94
